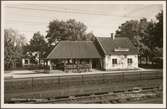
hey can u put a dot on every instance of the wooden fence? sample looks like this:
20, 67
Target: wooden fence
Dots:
60, 86
54, 82
77, 68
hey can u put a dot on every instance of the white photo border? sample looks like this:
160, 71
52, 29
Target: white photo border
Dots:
83, 105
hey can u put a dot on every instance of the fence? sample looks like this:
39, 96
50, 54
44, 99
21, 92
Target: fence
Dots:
58, 82
35, 67
77, 68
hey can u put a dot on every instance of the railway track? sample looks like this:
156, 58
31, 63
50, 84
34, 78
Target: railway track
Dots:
119, 96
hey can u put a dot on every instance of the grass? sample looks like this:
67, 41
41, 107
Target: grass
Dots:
151, 66
155, 100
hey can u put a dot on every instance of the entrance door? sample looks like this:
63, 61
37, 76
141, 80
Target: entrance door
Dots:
96, 63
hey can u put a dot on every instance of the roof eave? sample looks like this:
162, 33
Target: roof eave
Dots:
101, 47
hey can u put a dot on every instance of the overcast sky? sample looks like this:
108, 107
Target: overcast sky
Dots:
101, 19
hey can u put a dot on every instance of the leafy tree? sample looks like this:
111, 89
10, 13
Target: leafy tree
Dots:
13, 48
37, 47
154, 37
147, 36
154, 33
159, 30
90, 36
67, 30
134, 30
128, 29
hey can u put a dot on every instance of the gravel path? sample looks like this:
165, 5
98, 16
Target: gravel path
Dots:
41, 73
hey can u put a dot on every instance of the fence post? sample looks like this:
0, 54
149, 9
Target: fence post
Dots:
58, 80
157, 75
140, 75
161, 74
103, 78
82, 79
122, 76
32, 84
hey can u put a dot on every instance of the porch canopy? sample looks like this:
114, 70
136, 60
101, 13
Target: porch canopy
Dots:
74, 50
77, 52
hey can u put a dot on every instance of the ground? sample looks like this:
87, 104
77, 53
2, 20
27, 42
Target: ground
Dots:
56, 83
41, 73
85, 90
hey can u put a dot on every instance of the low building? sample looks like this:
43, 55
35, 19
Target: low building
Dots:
74, 55
117, 53
33, 61
107, 53
25, 62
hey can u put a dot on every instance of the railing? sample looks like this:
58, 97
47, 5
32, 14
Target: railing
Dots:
77, 68
36, 67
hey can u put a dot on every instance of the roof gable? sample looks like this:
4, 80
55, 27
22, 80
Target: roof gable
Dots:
120, 45
74, 49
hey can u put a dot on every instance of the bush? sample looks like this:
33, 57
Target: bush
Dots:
151, 66
36, 67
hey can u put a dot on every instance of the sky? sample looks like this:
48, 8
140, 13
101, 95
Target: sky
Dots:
101, 19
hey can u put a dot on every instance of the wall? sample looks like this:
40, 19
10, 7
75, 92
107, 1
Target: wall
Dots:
69, 85
121, 62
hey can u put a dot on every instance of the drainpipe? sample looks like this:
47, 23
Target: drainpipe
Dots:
49, 63
112, 36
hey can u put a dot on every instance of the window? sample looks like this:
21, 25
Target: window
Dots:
129, 61
114, 61
121, 49
26, 61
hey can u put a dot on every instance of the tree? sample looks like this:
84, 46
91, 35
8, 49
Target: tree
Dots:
128, 29
136, 31
159, 30
66, 30
90, 36
147, 36
133, 29
154, 36
13, 48
37, 48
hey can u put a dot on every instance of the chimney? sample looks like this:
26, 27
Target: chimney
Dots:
112, 36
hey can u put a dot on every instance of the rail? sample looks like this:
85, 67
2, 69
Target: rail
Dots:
120, 96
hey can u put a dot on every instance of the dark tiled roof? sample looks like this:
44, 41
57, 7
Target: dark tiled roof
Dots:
74, 49
108, 45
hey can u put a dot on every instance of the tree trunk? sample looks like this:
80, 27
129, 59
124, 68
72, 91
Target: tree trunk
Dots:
140, 60
152, 62
146, 60
13, 65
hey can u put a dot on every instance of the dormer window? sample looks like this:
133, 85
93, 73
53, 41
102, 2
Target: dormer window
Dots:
121, 49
